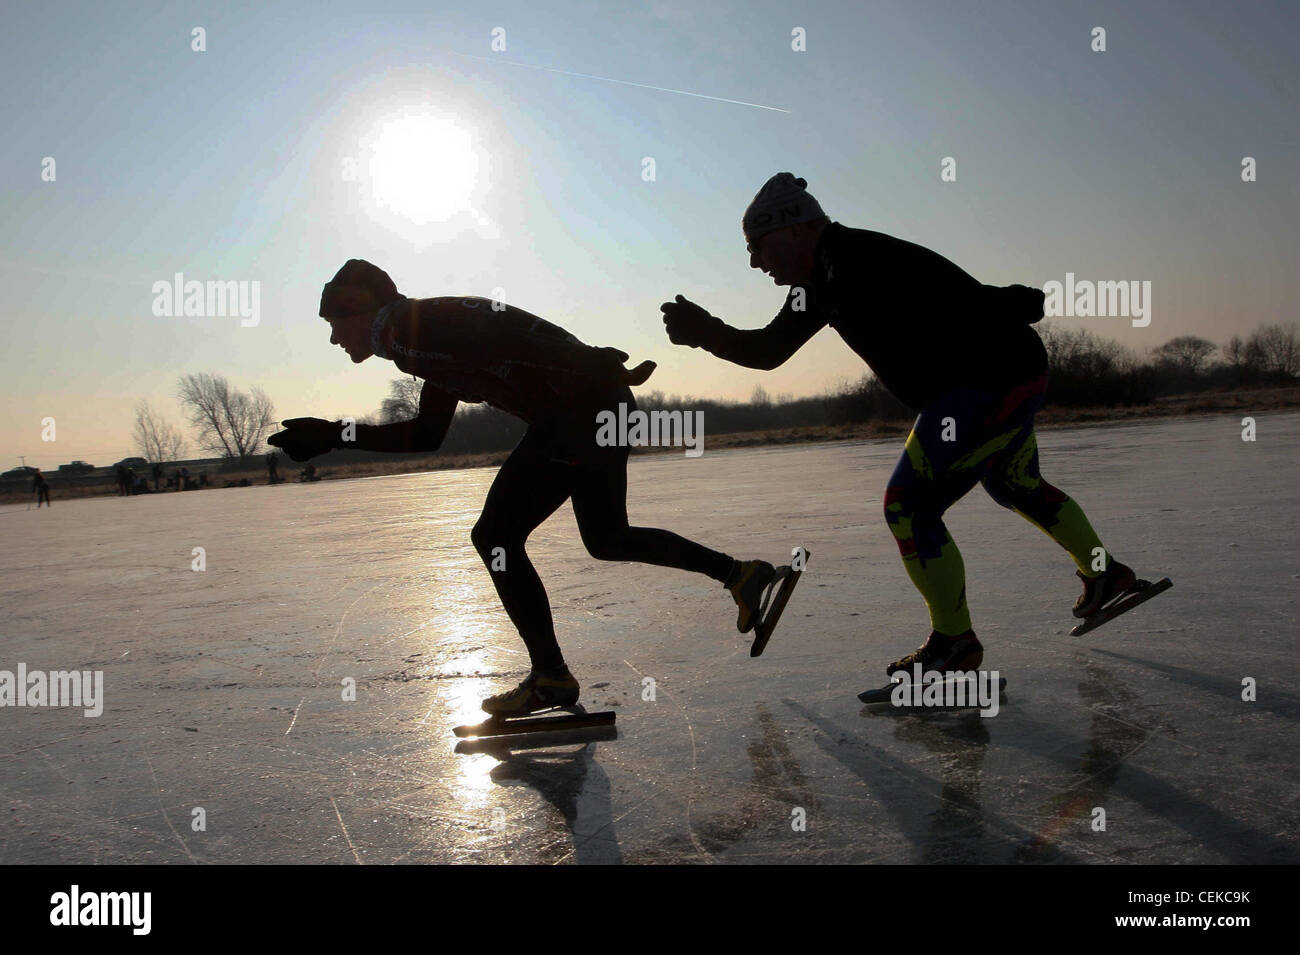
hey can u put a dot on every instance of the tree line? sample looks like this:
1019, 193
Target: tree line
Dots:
226, 423
1085, 369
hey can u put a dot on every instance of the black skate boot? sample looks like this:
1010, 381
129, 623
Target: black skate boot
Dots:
540, 690
1117, 580
748, 581
943, 654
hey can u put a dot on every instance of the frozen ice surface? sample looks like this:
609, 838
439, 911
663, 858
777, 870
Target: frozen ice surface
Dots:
224, 687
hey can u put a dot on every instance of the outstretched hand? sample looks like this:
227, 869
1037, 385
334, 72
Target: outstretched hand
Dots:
305, 438
686, 322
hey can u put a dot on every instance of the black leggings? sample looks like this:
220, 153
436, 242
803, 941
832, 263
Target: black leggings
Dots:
553, 462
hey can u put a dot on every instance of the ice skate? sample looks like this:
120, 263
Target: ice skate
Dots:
1115, 592
512, 711
943, 653
540, 690
1098, 591
939, 654
749, 584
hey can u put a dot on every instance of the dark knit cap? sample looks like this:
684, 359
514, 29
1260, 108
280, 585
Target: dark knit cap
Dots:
357, 288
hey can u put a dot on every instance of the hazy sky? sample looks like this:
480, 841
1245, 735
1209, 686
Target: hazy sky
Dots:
479, 171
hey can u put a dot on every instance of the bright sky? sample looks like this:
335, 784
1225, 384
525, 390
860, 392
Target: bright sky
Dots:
480, 170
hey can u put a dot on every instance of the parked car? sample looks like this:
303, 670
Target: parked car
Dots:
132, 463
76, 467
19, 473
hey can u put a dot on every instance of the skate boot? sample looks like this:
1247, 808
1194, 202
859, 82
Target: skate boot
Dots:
942, 653
540, 690
1098, 591
747, 583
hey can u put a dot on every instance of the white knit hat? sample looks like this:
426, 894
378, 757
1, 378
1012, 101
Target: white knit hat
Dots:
782, 201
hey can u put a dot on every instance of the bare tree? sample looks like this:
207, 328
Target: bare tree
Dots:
156, 439
1236, 354
1188, 353
230, 423
1278, 348
1082, 353
403, 402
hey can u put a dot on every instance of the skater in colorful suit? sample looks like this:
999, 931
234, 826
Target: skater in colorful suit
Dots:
962, 354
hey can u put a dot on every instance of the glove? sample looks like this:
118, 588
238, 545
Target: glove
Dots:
305, 438
606, 364
1020, 304
687, 323
639, 374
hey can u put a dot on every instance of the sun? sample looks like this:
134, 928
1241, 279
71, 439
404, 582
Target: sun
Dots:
423, 166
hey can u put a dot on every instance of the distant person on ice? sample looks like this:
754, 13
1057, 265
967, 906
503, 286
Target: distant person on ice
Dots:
467, 350
960, 353
41, 488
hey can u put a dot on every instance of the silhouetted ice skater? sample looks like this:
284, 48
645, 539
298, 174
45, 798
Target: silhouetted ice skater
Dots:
962, 354
473, 350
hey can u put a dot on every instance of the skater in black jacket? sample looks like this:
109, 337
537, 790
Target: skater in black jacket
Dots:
474, 350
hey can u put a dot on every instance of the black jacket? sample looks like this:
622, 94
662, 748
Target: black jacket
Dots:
467, 350
922, 324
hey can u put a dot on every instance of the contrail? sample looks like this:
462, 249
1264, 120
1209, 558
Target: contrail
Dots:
609, 79
74, 273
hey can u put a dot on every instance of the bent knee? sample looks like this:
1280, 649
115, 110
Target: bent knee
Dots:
896, 504
488, 536
606, 548
1016, 496
606, 543
904, 507
1002, 494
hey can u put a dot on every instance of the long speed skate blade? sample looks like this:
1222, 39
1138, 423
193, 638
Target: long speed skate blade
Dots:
764, 628
515, 726
502, 746
1140, 593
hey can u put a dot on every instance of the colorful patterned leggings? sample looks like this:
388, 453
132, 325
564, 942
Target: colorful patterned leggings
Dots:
966, 437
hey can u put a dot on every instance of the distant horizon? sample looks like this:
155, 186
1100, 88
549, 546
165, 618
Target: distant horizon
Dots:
1214, 364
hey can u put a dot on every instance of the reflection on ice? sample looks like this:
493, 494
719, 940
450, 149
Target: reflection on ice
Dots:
310, 584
